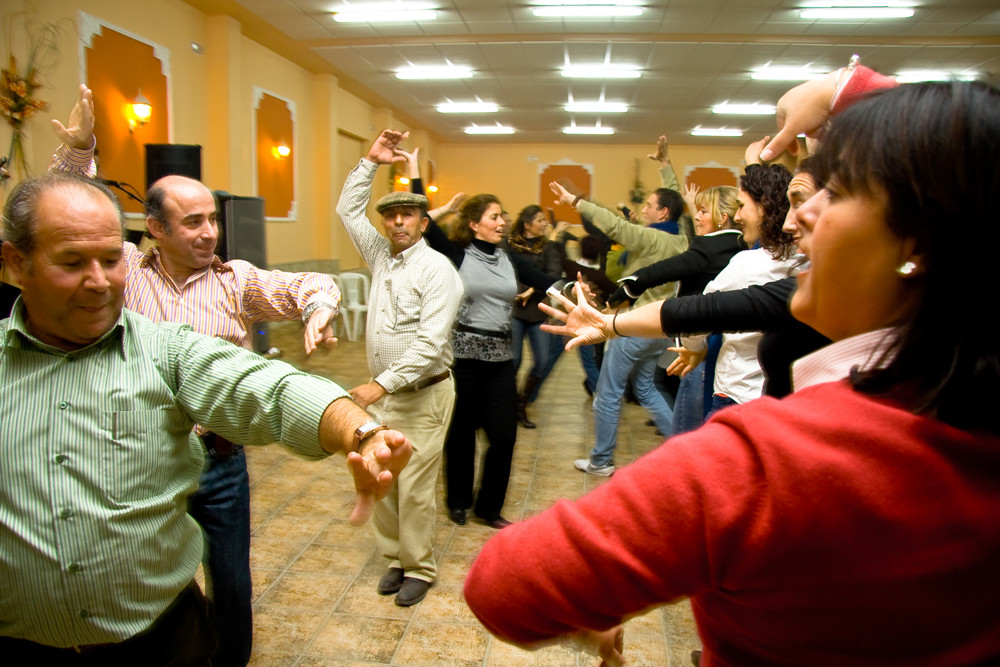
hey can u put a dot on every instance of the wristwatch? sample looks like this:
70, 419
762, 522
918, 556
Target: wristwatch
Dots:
365, 431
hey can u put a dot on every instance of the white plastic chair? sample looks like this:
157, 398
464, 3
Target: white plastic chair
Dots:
353, 302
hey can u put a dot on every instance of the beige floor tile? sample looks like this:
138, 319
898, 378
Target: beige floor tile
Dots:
432, 644
353, 637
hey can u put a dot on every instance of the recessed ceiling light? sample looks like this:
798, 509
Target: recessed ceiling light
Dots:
434, 72
755, 109
489, 129
385, 12
468, 107
580, 10
715, 132
596, 107
588, 129
786, 73
918, 75
601, 71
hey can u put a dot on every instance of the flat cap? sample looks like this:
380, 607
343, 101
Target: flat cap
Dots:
401, 199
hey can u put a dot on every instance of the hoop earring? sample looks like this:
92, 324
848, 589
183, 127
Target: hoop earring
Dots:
907, 269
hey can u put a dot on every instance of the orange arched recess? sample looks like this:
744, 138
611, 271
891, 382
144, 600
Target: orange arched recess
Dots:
275, 173
574, 177
711, 175
118, 67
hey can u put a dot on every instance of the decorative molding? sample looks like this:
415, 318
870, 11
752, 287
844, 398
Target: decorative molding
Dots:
258, 95
565, 162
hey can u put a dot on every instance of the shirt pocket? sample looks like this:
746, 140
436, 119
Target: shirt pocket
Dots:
406, 311
146, 453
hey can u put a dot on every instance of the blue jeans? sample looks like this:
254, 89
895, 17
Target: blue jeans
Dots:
588, 359
624, 357
221, 505
720, 402
538, 339
689, 408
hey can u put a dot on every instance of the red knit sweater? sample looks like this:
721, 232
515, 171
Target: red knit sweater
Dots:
824, 529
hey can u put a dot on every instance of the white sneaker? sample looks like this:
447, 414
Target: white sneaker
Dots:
586, 466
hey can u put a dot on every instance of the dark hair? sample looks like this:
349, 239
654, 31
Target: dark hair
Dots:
472, 211
767, 186
516, 238
670, 199
931, 152
20, 212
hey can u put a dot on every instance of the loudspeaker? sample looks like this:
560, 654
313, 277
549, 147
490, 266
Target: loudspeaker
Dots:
168, 159
242, 235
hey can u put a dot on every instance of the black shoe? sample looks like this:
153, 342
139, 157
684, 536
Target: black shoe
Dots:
458, 516
391, 581
497, 523
522, 416
412, 591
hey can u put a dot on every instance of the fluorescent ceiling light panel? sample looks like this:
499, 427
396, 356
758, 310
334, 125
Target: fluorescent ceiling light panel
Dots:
918, 75
715, 132
596, 107
849, 11
587, 11
744, 109
468, 107
384, 12
434, 72
588, 129
786, 73
601, 71
489, 129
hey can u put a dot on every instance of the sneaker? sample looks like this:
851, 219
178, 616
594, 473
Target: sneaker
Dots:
586, 466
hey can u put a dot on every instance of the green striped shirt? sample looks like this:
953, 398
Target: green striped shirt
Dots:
97, 460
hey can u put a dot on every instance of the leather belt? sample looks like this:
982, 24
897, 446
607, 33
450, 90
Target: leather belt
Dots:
218, 447
423, 384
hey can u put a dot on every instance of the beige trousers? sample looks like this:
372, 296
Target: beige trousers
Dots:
404, 520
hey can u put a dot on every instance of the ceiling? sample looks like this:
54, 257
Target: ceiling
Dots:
694, 54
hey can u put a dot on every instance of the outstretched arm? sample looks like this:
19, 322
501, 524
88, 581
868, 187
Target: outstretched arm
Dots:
75, 154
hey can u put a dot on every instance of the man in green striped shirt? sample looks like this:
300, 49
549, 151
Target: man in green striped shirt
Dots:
97, 552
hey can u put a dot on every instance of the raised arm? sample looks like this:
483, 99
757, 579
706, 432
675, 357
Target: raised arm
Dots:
76, 151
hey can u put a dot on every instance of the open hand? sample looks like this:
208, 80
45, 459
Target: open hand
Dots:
383, 456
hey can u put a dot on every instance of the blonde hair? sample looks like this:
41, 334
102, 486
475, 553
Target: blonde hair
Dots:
721, 202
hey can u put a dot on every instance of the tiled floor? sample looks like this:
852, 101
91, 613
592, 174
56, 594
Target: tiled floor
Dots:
314, 575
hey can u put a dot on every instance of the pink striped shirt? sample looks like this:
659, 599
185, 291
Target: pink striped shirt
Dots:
225, 299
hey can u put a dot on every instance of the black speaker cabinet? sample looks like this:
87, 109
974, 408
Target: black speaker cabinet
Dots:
242, 236
169, 159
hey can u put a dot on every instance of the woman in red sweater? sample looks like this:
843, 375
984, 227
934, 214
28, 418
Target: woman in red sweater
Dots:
854, 522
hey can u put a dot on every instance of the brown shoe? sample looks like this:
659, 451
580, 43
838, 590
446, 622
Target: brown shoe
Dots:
412, 591
391, 581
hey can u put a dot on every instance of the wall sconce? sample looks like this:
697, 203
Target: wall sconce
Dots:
281, 151
139, 112
432, 188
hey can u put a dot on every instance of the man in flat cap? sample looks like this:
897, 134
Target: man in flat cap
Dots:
411, 309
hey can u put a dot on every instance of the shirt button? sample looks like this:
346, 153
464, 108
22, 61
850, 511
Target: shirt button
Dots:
84, 613
66, 513
63, 405
74, 567
61, 458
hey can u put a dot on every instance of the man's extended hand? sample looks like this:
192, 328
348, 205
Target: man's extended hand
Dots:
367, 393
661, 154
319, 330
79, 129
384, 150
375, 469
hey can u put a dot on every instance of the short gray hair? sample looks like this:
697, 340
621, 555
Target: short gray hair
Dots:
20, 213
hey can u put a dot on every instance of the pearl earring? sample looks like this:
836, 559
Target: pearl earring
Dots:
907, 269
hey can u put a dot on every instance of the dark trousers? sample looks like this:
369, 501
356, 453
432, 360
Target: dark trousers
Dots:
485, 397
181, 637
221, 505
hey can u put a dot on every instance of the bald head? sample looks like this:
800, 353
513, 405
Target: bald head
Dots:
172, 188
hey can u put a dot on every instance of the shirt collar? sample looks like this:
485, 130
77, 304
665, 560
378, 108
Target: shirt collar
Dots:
151, 257
17, 332
412, 250
836, 361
